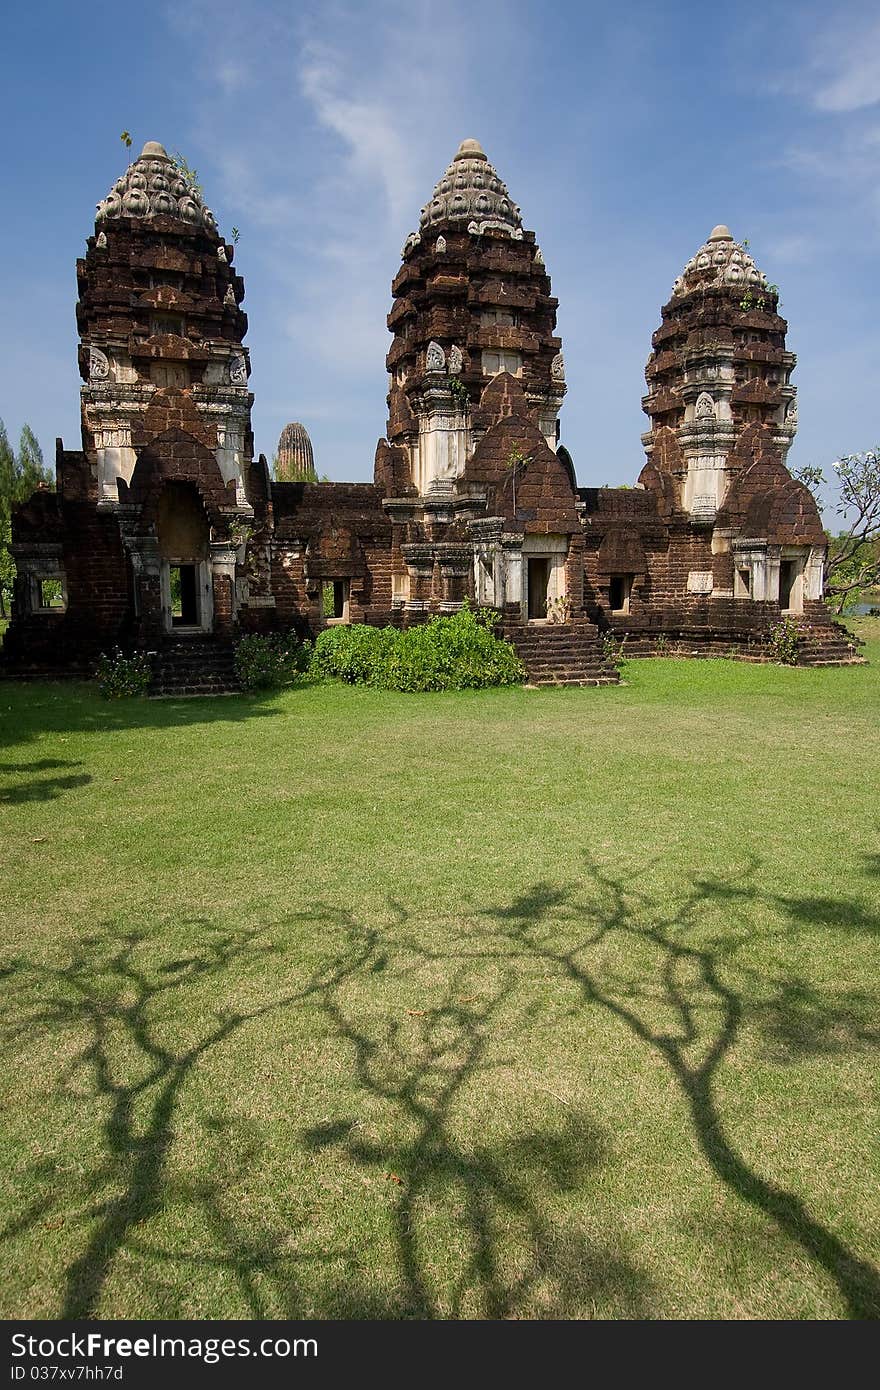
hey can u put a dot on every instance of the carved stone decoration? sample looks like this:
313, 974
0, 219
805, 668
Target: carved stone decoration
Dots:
154, 186
435, 360
539, 257
700, 582
440, 245
455, 360
221, 254
229, 297
470, 191
721, 262
99, 366
101, 242
238, 371
791, 414
557, 367
705, 408
414, 239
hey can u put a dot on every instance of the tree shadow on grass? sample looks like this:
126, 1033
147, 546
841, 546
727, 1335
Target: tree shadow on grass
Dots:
30, 711
117, 997
686, 997
685, 979
40, 788
420, 1069
108, 995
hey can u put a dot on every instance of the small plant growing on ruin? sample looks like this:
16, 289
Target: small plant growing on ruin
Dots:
190, 174
613, 648
783, 640
662, 645
516, 463
121, 676
559, 609
459, 393
235, 236
239, 531
126, 139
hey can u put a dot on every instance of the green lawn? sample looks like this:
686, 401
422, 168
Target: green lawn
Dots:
507, 1004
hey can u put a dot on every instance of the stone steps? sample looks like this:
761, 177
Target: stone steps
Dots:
561, 654
195, 667
823, 645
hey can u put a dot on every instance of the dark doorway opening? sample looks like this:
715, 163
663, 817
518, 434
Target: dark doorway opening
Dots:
539, 578
184, 596
787, 576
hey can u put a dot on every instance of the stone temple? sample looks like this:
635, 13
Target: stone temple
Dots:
167, 534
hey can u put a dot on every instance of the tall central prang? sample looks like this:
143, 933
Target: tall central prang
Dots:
471, 300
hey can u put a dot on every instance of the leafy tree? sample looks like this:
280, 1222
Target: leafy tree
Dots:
20, 474
853, 561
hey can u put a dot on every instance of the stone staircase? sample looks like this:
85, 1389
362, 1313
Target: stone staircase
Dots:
194, 666
827, 644
561, 654
822, 642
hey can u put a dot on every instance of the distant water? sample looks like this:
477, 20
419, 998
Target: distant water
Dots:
860, 609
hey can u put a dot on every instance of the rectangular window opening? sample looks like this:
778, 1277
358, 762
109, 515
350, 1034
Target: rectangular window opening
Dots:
51, 595
619, 589
743, 583
334, 600
166, 323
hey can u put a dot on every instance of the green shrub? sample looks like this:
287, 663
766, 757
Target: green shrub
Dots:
783, 639
356, 653
120, 676
460, 652
269, 662
613, 647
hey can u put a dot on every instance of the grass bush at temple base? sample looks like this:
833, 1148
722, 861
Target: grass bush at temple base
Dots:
484, 1004
270, 662
460, 652
121, 675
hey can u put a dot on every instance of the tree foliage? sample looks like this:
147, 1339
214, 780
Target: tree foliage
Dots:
21, 473
853, 561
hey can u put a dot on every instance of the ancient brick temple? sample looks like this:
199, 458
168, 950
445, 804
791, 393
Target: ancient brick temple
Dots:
165, 533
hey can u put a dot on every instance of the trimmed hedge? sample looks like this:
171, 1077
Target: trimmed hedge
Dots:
456, 653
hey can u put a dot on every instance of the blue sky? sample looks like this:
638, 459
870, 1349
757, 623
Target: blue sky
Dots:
625, 132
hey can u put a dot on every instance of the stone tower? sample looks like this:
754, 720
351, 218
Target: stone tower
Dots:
471, 301
159, 314
295, 460
718, 377
723, 415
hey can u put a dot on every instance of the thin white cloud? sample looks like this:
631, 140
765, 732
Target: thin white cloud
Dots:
796, 249
846, 67
233, 77
369, 127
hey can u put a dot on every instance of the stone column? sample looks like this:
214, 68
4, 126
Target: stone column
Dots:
146, 567
223, 558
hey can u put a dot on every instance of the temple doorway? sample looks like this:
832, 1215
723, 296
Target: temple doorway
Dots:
185, 573
184, 595
790, 586
538, 581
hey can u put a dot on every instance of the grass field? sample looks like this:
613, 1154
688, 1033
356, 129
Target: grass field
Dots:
507, 1004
